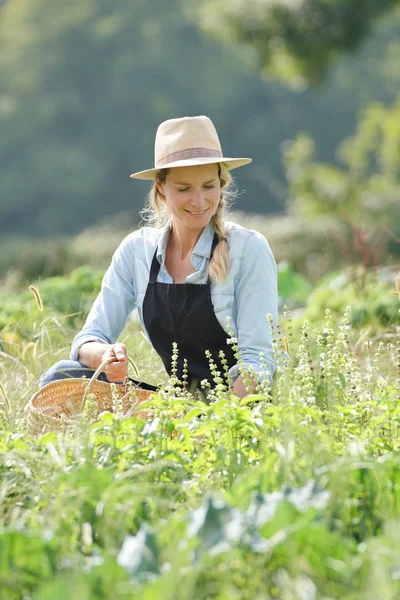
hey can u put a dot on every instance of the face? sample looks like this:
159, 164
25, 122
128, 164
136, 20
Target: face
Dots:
192, 195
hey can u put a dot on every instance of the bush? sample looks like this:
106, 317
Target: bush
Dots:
72, 294
70, 297
373, 303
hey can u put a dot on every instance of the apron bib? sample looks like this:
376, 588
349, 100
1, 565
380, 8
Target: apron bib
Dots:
184, 313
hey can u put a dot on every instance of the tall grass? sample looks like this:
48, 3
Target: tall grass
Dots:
289, 493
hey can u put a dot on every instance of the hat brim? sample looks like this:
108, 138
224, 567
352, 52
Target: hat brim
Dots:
231, 163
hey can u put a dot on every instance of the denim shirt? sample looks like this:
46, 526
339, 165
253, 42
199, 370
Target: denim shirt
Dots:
247, 295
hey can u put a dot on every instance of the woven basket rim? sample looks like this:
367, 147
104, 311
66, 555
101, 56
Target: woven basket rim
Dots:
68, 393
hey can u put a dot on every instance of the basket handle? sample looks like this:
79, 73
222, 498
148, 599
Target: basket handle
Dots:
95, 377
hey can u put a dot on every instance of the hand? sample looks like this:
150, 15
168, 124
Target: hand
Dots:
239, 387
118, 370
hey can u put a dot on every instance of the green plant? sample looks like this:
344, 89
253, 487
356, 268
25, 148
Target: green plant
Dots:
294, 488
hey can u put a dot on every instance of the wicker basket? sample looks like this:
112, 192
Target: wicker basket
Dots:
61, 402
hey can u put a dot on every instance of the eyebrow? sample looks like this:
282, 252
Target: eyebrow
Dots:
184, 183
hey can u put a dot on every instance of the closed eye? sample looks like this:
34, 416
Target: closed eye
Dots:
207, 187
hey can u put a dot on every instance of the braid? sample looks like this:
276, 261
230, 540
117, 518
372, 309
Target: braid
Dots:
219, 265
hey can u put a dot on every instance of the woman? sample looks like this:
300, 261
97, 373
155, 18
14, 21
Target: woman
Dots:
189, 278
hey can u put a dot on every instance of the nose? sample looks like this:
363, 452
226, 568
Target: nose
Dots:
197, 198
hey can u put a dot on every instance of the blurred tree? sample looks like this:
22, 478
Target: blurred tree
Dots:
81, 97
80, 103
294, 40
364, 193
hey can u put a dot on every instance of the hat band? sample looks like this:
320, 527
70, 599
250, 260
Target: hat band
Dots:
189, 153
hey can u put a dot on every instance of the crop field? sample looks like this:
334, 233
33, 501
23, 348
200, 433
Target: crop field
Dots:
292, 493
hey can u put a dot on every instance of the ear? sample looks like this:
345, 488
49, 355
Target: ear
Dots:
160, 188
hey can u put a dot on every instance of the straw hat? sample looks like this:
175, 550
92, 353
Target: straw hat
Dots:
187, 142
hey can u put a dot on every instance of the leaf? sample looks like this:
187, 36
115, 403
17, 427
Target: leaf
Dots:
215, 526
50, 436
26, 558
204, 428
65, 587
310, 495
193, 412
140, 554
250, 398
263, 509
106, 417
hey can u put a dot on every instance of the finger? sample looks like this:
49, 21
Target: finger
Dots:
116, 374
119, 367
108, 354
120, 351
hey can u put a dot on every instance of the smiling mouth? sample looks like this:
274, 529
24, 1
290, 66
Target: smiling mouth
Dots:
196, 213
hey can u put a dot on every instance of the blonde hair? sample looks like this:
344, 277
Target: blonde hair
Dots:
155, 213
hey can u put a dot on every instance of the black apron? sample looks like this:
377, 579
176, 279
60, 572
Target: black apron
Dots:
184, 313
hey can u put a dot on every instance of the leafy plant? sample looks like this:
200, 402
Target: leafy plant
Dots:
290, 491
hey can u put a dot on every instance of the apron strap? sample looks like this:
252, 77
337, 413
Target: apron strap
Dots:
214, 245
155, 265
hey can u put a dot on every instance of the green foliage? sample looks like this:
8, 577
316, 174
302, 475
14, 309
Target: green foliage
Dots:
24, 260
292, 286
80, 107
368, 185
294, 40
28, 259
72, 294
70, 297
13, 310
373, 301
362, 195
230, 499
284, 493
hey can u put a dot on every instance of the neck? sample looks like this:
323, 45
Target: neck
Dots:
184, 239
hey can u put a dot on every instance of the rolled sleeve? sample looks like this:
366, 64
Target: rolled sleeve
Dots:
256, 296
114, 303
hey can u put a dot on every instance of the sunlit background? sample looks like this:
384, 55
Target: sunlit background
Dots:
306, 88
290, 494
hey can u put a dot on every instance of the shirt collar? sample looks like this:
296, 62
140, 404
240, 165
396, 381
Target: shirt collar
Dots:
162, 244
202, 248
